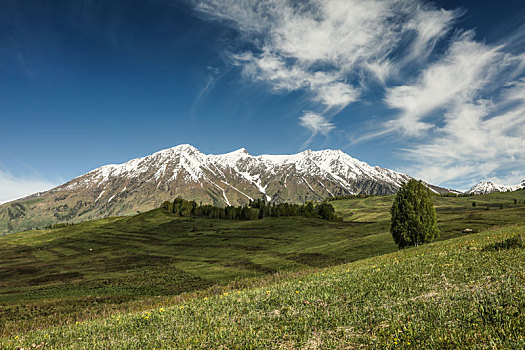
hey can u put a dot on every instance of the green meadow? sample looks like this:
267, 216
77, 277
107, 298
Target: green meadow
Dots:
229, 282
466, 292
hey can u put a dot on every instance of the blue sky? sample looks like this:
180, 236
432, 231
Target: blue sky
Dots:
434, 89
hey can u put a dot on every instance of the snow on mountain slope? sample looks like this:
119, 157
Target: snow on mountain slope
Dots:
186, 164
221, 179
485, 187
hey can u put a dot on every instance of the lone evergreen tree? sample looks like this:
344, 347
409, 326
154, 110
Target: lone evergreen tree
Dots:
413, 215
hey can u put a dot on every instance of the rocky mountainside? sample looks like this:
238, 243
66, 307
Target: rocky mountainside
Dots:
224, 179
485, 187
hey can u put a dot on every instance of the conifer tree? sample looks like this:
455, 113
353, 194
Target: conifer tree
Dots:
413, 215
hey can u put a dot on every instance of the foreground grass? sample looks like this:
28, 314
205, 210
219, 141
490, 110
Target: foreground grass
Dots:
462, 293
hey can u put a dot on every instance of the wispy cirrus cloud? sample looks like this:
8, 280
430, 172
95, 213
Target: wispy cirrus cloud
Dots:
214, 74
429, 26
317, 124
465, 71
13, 187
330, 48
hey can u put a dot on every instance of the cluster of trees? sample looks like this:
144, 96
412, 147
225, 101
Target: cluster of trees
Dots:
495, 205
347, 196
457, 195
258, 209
59, 225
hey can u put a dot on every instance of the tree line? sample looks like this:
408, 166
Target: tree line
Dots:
257, 209
347, 196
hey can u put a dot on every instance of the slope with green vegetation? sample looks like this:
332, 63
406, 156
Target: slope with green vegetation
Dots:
80, 271
97, 268
453, 213
461, 293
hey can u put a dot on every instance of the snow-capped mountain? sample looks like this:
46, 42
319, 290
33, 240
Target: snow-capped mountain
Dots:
222, 179
236, 177
485, 187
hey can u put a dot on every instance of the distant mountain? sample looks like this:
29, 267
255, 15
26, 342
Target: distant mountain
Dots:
485, 187
224, 179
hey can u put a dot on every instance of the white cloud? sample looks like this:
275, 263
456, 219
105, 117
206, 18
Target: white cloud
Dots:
12, 187
316, 123
325, 86
515, 91
329, 46
458, 77
429, 26
479, 140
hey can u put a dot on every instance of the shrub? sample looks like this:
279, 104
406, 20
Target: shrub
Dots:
509, 243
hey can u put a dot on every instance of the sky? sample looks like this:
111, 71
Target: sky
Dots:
435, 89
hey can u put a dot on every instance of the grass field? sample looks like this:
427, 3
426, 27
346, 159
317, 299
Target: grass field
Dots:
460, 293
100, 268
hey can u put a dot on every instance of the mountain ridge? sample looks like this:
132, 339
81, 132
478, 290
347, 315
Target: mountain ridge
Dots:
232, 178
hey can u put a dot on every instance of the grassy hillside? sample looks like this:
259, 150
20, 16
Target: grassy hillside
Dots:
97, 268
454, 213
467, 292
80, 271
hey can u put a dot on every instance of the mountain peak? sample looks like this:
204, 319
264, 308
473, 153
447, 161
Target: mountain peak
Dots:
241, 150
183, 147
485, 187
